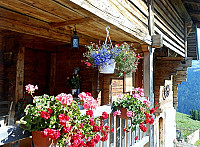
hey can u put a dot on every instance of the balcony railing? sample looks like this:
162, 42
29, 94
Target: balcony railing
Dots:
118, 138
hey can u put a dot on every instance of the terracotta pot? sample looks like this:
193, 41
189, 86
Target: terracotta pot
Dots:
40, 141
123, 113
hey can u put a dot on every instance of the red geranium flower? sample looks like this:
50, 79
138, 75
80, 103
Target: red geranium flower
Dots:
136, 138
45, 115
104, 115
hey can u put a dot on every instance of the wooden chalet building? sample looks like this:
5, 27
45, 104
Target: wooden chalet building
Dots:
35, 37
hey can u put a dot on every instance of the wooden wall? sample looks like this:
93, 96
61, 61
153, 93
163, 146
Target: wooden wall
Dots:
67, 60
11, 46
37, 69
1, 68
169, 24
192, 45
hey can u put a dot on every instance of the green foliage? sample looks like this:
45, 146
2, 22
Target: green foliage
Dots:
185, 121
32, 121
195, 114
197, 143
74, 82
60, 118
137, 104
126, 61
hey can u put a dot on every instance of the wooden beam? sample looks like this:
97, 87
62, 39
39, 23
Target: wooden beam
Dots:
20, 74
27, 9
27, 25
170, 58
193, 2
145, 48
178, 4
71, 22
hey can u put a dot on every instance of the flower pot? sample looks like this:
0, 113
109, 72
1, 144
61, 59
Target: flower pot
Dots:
108, 68
123, 113
74, 91
40, 141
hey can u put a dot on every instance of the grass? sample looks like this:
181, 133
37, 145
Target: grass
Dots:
184, 121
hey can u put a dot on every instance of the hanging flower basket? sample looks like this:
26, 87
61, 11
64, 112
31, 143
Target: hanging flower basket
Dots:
100, 56
108, 68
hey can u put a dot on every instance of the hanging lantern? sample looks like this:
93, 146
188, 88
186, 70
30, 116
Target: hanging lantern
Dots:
75, 39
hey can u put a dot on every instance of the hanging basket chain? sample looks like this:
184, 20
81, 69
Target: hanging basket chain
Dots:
108, 36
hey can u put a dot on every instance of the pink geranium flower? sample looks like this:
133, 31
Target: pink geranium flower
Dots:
65, 99
129, 113
89, 101
147, 103
118, 112
31, 88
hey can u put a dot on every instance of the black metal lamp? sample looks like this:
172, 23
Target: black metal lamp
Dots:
75, 39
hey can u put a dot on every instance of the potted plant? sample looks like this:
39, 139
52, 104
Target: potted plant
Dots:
58, 120
74, 84
135, 107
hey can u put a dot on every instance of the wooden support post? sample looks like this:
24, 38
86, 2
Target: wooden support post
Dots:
128, 82
52, 74
175, 94
19, 74
148, 66
1, 69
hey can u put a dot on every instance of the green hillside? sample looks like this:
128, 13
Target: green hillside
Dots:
184, 121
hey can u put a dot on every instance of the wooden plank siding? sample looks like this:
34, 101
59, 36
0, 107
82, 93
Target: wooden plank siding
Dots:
170, 25
125, 15
192, 46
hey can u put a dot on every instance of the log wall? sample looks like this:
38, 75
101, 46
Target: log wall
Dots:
169, 24
192, 46
11, 46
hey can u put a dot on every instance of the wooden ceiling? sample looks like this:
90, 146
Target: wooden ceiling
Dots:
193, 8
55, 19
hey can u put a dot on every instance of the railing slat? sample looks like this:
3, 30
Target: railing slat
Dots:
118, 132
123, 133
128, 135
111, 134
105, 144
